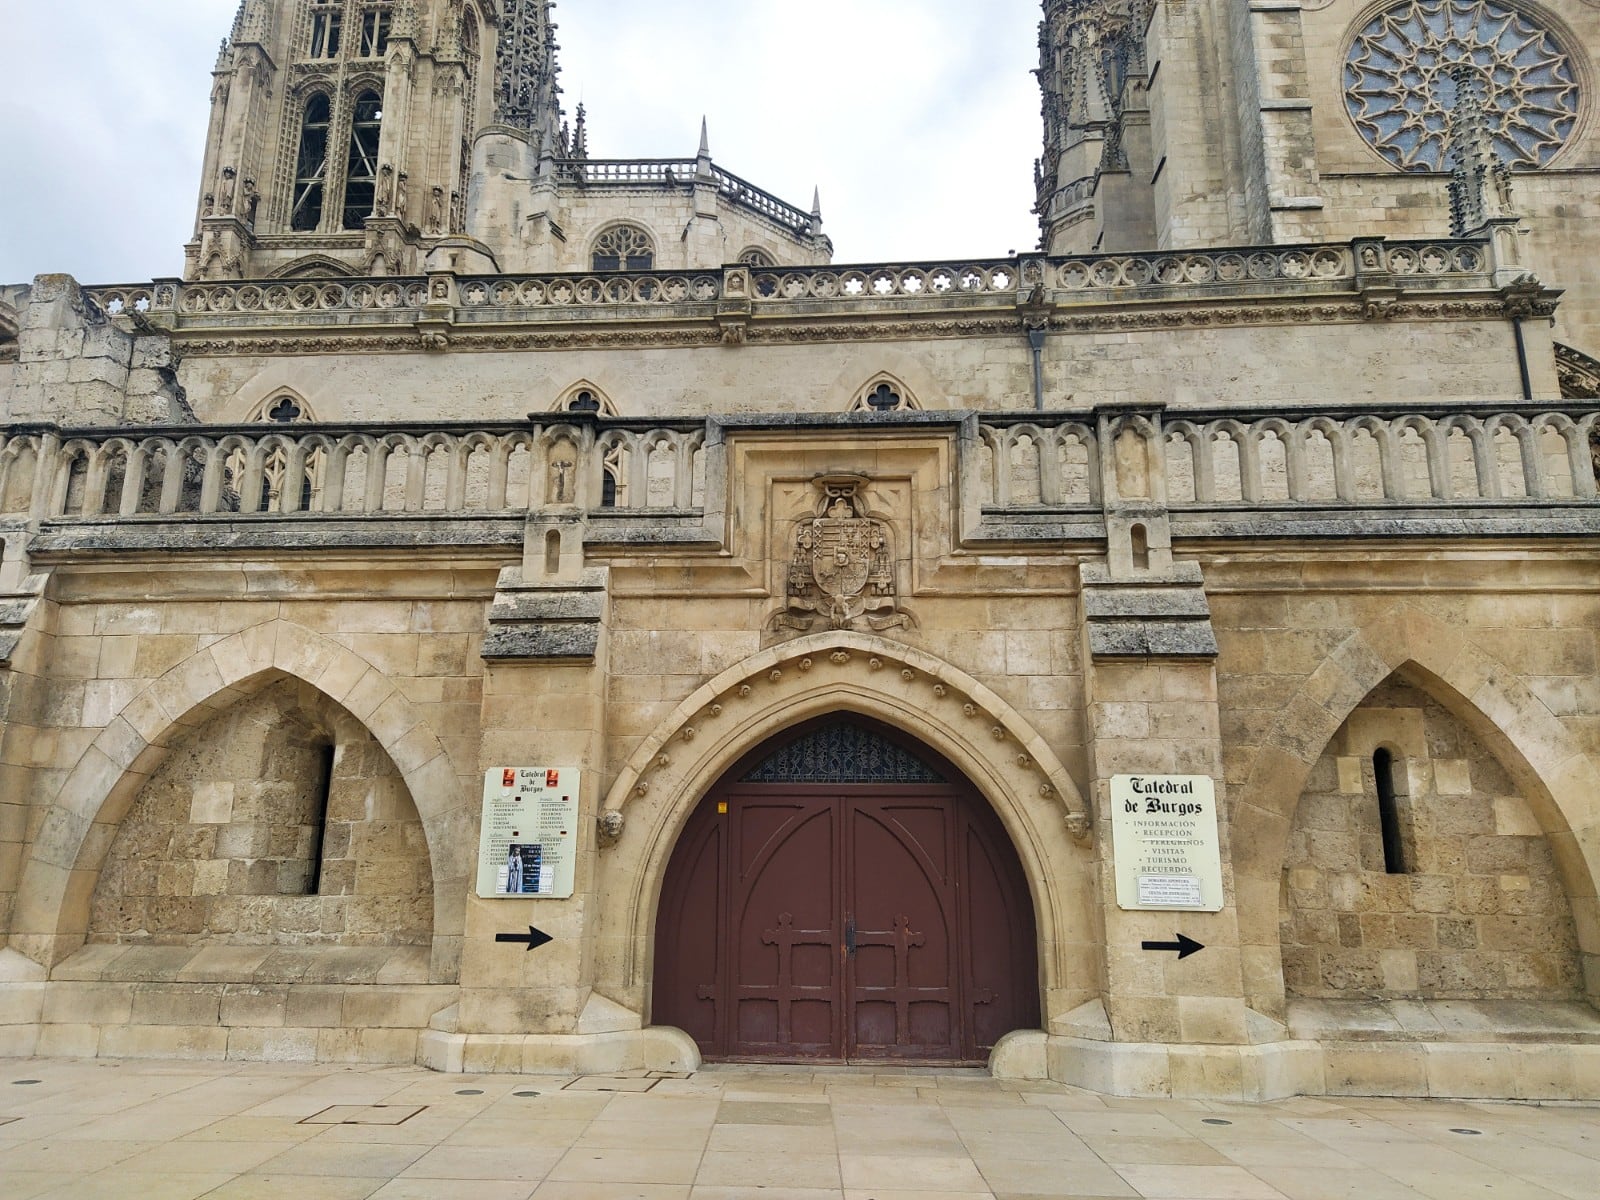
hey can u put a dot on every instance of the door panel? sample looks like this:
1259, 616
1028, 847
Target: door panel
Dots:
900, 980
804, 922
785, 895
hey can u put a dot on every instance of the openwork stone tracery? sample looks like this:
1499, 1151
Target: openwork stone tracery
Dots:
1402, 75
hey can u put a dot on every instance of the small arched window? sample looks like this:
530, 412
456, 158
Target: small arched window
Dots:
361, 174
757, 257
884, 393
624, 248
311, 168
585, 397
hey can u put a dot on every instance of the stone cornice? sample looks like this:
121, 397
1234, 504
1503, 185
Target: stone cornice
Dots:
1367, 281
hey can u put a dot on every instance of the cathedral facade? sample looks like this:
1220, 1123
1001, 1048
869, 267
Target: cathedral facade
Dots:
511, 609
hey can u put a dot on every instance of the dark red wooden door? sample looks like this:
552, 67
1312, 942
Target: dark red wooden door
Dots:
845, 921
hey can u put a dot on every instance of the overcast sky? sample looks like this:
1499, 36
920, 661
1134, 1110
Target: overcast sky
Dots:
917, 118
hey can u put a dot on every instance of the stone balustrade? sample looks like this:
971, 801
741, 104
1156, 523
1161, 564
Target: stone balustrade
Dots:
1157, 277
1475, 457
1302, 459
308, 471
674, 172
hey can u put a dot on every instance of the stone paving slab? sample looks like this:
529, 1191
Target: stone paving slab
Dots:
259, 1131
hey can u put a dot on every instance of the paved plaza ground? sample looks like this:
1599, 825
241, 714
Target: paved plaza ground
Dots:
247, 1131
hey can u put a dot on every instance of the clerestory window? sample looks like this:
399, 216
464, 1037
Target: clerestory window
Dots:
311, 168
624, 248
361, 173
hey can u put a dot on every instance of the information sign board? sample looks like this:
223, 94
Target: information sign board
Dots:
529, 842
1164, 842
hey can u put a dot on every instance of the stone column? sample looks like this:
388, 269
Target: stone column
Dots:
1169, 1026
543, 705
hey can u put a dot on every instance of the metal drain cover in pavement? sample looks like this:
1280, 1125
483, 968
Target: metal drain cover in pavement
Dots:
610, 1083
364, 1114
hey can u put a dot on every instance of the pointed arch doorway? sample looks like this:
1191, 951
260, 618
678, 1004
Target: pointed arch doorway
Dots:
845, 895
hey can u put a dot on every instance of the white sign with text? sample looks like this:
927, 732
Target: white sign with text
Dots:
528, 846
1164, 842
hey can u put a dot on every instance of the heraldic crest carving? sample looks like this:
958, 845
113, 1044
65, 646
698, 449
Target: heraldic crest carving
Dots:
842, 574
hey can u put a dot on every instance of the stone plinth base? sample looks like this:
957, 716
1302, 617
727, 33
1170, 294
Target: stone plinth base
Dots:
1439, 1070
658, 1048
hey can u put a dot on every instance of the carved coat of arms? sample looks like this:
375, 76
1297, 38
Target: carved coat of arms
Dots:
842, 573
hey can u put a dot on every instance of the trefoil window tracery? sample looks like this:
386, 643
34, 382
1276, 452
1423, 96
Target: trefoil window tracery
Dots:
624, 248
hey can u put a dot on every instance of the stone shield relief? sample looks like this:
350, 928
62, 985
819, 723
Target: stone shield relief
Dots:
842, 565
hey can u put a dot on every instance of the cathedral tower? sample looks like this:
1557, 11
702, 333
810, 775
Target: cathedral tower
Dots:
368, 137
1182, 124
341, 129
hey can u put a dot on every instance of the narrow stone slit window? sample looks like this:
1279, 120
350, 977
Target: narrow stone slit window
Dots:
1394, 854
1139, 542
319, 817
552, 552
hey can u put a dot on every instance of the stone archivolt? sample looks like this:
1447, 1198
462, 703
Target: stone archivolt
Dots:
1010, 764
818, 663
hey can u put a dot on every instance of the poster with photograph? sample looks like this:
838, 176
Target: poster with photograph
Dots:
528, 846
1165, 843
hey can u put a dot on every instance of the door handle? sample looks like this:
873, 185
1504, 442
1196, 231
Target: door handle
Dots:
850, 937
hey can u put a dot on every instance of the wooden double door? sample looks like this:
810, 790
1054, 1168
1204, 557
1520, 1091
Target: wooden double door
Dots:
846, 921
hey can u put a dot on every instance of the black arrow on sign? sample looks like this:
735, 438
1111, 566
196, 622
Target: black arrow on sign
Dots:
1185, 946
534, 937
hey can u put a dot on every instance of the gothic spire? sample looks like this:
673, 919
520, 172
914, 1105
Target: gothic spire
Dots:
527, 95
580, 135
1480, 180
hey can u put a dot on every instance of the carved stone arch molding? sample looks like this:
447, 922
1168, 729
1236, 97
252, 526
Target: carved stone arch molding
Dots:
884, 392
989, 741
1556, 777
64, 861
585, 396
860, 376
315, 266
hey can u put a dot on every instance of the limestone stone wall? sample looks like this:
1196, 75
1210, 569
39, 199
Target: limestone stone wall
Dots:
240, 837
1204, 366
1479, 911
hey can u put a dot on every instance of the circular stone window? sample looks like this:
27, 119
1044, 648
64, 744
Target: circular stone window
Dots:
1406, 66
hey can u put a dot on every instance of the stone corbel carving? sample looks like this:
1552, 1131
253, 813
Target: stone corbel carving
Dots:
610, 824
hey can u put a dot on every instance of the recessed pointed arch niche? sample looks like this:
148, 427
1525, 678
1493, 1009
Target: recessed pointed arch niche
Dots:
279, 821
1415, 869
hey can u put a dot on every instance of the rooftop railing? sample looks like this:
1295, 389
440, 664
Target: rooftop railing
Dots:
1157, 277
637, 172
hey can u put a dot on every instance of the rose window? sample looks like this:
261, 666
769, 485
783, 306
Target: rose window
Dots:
1406, 67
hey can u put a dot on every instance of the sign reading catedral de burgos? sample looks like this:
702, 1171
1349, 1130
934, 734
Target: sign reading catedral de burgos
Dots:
1164, 842
528, 845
